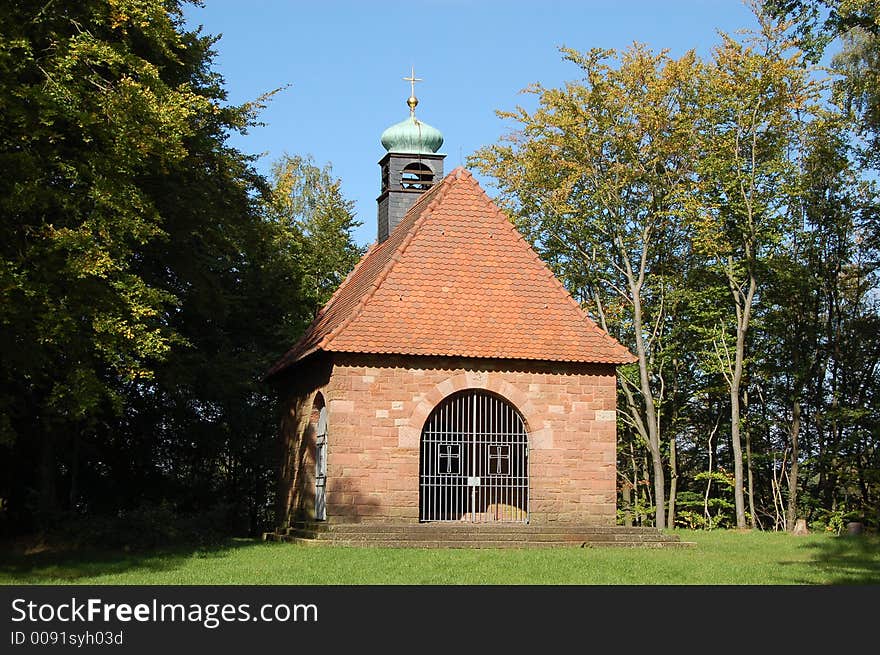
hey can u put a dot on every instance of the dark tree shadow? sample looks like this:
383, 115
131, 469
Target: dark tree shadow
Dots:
82, 565
852, 560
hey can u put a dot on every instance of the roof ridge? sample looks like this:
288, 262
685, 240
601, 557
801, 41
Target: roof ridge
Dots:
549, 272
443, 187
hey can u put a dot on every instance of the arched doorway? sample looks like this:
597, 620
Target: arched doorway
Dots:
319, 421
474, 463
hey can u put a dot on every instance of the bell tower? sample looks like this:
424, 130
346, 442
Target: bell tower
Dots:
411, 166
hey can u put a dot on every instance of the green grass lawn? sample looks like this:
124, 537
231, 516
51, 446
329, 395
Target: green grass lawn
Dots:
720, 558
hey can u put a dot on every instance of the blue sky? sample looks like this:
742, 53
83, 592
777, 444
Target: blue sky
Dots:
344, 63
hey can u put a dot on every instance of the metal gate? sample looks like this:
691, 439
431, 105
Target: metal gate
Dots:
474, 461
321, 466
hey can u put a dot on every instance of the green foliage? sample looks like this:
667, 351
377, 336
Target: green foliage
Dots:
146, 284
76, 315
856, 25
307, 205
640, 512
835, 521
716, 217
696, 512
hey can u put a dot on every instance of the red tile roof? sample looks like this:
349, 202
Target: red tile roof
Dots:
456, 278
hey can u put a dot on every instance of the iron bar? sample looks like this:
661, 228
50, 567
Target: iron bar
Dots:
474, 461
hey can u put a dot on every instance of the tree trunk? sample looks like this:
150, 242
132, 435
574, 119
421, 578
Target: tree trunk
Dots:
751, 483
649, 499
736, 444
743, 304
48, 499
711, 453
673, 484
626, 492
659, 489
635, 484
794, 433
73, 496
650, 411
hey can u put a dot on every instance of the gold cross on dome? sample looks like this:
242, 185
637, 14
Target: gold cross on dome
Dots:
412, 101
412, 79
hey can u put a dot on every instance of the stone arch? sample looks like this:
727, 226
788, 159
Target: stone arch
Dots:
318, 403
409, 434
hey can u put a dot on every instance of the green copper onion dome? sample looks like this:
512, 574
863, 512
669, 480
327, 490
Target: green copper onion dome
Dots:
412, 136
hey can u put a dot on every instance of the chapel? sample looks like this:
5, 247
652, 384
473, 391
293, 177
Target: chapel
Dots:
451, 377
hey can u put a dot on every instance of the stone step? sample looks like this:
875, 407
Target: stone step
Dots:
469, 528
473, 535
489, 536
318, 526
450, 543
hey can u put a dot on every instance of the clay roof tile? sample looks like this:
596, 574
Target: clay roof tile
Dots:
464, 282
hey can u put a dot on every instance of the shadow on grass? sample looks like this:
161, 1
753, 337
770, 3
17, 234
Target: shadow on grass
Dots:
848, 559
19, 566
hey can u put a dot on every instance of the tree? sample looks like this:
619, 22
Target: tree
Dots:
595, 177
145, 285
98, 100
307, 201
841, 206
753, 102
790, 350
